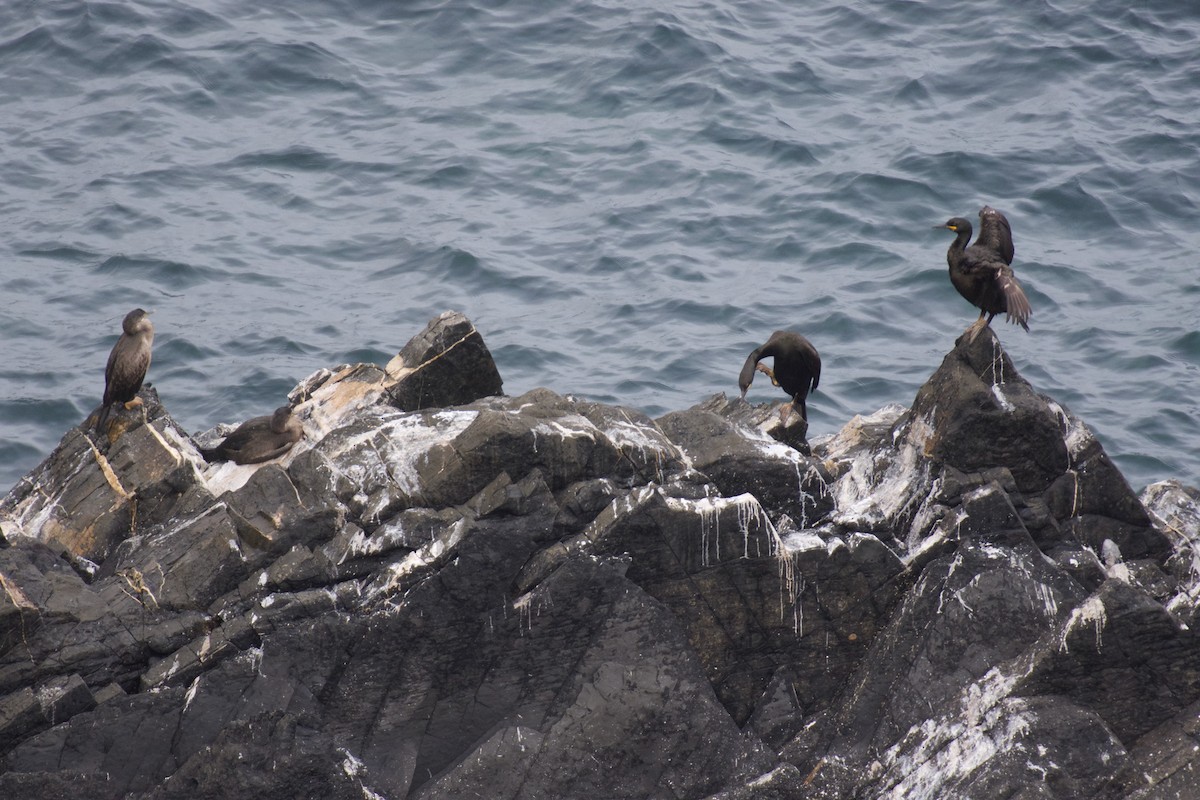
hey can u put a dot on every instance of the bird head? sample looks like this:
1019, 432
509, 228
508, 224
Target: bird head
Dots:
956, 224
136, 321
281, 417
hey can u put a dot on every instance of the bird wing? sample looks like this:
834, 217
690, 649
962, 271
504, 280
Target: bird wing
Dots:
110, 370
995, 233
266, 455
245, 433
1015, 302
126, 370
813, 359
981, 264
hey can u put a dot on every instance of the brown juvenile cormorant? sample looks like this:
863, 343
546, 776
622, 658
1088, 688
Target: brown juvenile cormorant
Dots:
258, 439
797, 368
981, 272
127, 364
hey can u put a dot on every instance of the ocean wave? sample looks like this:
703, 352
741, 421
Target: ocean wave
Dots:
623, 198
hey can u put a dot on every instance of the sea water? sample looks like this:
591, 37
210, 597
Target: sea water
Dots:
624, 197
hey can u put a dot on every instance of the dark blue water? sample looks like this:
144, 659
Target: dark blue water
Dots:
624, 197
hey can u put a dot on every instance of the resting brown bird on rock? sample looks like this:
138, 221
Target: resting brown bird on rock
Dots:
981, 272
797, 369
127, 364
258, 439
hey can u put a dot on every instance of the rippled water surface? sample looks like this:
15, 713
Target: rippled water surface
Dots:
625, 198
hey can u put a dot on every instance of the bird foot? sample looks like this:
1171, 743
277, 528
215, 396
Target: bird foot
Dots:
134, 403
973, 332
765, 370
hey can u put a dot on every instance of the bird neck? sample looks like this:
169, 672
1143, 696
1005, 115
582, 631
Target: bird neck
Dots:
962, 236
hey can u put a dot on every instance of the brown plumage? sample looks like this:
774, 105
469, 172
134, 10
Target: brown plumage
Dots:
127, 363
258, 439
981, 272
797, 368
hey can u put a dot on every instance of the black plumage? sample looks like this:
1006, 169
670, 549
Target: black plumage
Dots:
797, 367
127, 363
981, 272
258, 439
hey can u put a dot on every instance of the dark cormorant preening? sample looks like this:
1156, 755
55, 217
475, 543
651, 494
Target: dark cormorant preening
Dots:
258, 439
127, 364
797, 368
981, 272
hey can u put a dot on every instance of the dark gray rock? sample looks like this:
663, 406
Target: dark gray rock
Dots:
961, 618
1163, 765
1040, 747
20, 715
388, 461
726, 442
1104, 660
272, 514
447, 364
29, 711
1175, 510
444, 592
984, 414
779, 714
89, 495
747, 593
185, 567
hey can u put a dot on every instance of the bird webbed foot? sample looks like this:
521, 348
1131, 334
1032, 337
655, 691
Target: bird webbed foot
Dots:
973, 332
765, 370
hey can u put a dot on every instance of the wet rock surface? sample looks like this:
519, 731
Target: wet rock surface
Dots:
442, 591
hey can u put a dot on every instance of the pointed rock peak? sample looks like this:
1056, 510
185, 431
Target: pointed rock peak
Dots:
447, 364
984, 414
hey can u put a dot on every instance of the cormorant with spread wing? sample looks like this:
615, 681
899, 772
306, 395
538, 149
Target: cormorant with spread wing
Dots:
981, 272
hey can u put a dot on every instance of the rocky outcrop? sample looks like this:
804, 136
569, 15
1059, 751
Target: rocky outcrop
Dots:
441, 591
